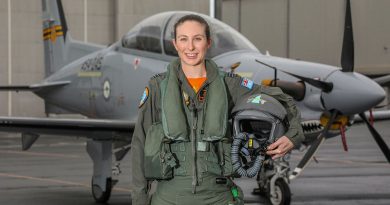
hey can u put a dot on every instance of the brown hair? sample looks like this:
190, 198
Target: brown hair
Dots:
192, 17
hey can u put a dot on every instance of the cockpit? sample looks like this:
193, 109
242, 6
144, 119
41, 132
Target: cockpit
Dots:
155, 35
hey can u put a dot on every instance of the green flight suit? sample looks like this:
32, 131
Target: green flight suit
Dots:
179, 189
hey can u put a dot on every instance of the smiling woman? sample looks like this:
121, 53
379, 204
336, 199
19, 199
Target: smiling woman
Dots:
224, 38
183, 137
192, 39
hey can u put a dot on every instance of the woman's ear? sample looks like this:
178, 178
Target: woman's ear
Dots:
174, 43
209, 43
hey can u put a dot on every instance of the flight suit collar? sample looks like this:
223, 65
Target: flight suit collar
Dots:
211, 73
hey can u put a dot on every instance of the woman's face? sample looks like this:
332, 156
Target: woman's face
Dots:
191, 43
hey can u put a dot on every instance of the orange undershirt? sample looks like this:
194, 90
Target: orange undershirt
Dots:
196, 83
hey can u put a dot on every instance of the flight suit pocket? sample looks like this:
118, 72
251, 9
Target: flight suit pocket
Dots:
158, 160
225, 157
211, 164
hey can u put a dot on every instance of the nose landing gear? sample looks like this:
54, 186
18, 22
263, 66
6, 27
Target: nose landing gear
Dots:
273, 181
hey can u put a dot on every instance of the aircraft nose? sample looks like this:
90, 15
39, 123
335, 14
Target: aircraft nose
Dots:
352, 93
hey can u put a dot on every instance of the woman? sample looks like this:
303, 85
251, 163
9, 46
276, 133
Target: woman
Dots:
182, 132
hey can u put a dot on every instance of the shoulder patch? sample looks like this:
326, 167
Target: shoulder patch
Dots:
231, 75
257, 99
144, 97
245, 82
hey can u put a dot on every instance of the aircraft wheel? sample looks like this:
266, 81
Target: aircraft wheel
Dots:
99, 195
283, 194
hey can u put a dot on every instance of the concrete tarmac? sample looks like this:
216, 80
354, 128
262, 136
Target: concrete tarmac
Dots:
57, 170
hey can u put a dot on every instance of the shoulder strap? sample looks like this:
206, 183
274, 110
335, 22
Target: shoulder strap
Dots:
156, 82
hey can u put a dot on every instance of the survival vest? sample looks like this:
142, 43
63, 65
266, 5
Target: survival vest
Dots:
191, 138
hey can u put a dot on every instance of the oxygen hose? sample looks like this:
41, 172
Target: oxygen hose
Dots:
238, 167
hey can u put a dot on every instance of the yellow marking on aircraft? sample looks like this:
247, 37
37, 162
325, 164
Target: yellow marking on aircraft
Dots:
57, 28
267, 82
52, 33
339, 121
90, 74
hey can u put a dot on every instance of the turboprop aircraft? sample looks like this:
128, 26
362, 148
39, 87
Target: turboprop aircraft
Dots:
105, 85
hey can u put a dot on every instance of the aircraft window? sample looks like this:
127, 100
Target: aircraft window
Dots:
146, 35
224, 38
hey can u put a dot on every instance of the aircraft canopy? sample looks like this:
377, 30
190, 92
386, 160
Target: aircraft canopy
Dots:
155, 34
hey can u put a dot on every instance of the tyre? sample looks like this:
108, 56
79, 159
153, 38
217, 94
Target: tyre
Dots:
283, 193
99, 195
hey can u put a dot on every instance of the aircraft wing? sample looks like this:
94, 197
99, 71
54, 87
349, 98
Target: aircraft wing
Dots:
31, 128
34, 87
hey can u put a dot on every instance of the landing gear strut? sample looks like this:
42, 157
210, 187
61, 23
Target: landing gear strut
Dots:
101, 155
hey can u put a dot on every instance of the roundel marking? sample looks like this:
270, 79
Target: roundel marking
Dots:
106, 89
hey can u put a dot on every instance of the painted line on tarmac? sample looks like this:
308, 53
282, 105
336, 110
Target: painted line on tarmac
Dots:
346, 161
356, 162
59, 144
55, 181
40, 154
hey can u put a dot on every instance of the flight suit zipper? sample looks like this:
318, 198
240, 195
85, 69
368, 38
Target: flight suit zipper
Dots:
203, 87
193, 145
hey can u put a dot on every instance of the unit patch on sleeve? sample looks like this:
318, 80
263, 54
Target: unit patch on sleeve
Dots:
247, 83
144, 97
256, 100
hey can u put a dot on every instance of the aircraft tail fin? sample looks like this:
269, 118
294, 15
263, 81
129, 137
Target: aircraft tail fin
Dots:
55, 30
59, 47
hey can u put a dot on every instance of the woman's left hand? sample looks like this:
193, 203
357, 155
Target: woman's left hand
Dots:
280, 147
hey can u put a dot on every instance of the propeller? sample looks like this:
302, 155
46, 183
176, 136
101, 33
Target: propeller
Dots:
347, 64
378, 138
313, 147
347, 53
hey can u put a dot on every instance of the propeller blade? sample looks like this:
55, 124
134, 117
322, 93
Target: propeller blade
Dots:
347, 53
378, 138
324, 86
313, 148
